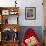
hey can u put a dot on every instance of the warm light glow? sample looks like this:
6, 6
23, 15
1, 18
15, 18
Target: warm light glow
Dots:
12, 10
0, 17
15, 30
0, 36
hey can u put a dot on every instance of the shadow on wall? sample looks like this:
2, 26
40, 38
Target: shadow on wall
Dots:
37, 29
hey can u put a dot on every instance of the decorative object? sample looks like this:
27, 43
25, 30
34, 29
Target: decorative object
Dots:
15, 30
15, 3
7, 34
31, 41
15, 37
13, 12
5, 12
15, 34
30, 13
6, 21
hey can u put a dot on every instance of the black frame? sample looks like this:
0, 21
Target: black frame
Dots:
26, 10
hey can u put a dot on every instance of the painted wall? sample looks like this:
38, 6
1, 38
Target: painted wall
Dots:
26, 3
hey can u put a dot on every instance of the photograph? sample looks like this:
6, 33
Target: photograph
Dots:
30, 13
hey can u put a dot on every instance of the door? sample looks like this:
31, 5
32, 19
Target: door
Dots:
44, 6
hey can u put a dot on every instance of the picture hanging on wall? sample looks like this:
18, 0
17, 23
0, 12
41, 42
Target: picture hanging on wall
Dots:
30, 13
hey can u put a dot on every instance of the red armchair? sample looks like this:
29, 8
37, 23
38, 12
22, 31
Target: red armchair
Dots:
28, 38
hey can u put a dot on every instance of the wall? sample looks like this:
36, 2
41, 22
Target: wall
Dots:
26, 3
39, 12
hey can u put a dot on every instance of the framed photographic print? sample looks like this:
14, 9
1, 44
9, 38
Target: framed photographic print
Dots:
5, 12
30, 13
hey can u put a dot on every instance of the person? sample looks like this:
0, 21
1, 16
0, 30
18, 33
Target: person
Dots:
29, 13
30, 38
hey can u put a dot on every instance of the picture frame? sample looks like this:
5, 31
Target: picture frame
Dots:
30, 13
5, 12
13, 12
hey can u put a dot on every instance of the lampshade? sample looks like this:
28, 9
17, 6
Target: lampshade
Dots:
15, 30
